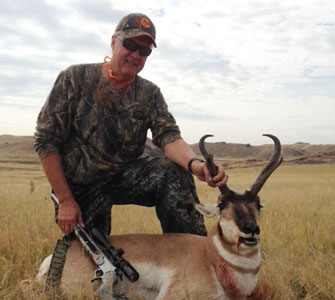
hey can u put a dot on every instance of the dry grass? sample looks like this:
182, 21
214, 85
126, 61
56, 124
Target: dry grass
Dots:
298, 228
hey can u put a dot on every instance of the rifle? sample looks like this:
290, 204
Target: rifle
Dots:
104, 267
107, 260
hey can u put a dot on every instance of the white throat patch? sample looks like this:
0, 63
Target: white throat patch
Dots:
237, 260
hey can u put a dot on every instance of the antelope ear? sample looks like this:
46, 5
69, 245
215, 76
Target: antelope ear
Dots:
208, 210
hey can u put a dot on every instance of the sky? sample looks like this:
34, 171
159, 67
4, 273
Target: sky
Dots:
235, 69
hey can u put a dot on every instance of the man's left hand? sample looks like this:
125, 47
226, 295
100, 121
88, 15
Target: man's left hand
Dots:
200, 170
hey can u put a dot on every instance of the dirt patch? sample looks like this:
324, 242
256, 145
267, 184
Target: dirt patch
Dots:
318, 158
23, 162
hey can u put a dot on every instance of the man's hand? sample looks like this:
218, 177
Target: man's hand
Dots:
181, 153
68, 211
200, 170
68, 215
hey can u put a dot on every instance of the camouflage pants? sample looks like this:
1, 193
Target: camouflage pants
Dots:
149, 181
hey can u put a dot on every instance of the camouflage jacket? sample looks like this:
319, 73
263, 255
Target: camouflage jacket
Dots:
97, 130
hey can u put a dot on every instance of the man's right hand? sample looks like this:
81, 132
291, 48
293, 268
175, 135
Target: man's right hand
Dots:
68, 215
68, 210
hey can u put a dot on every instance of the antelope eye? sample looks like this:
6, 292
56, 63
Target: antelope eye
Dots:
222, 205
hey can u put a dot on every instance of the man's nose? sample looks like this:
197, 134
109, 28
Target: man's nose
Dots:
136, 54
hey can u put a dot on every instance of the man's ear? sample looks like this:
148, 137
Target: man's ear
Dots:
208, 210
113, 42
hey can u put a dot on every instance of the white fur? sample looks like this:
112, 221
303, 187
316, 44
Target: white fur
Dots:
247, 282
230, 230
43, 270
236, 260
154, 281
220, 292
209, 210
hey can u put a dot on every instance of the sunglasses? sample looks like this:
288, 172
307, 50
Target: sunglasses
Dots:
130, 45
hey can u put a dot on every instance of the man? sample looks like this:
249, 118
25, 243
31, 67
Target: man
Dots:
92, 131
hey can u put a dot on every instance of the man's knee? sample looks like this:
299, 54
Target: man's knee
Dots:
163, 163
165, 166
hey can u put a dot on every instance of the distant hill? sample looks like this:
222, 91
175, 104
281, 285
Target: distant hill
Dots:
17, 149
21, 148
247, 151
20, 144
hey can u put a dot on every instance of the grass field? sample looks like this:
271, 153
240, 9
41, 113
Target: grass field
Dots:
297, 227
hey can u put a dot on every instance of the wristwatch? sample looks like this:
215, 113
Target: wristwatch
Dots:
189, 165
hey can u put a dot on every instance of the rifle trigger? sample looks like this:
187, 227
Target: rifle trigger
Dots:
98, 275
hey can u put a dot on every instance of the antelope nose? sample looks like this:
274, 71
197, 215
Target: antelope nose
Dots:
251, 228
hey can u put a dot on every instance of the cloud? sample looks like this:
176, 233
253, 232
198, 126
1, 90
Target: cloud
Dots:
234, 68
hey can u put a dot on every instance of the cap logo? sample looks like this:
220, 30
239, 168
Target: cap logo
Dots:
145, 23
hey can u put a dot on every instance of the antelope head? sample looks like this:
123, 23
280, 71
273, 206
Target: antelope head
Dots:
238, 213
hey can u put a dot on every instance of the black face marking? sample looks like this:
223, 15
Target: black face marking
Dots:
245, 210
222, 202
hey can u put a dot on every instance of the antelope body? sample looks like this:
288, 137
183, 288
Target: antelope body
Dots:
223, 265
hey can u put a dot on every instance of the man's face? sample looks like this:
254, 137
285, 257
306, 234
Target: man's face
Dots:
126, 64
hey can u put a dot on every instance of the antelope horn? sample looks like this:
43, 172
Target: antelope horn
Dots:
272, 165
213, 169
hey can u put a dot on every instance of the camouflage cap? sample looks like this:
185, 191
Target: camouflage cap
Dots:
137, 24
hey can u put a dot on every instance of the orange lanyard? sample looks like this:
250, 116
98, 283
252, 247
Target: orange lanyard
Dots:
115, 77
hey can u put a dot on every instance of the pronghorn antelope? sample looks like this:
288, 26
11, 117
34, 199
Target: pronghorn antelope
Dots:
223, 265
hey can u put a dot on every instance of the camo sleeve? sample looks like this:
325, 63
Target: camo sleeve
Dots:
164, 128
54, 119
